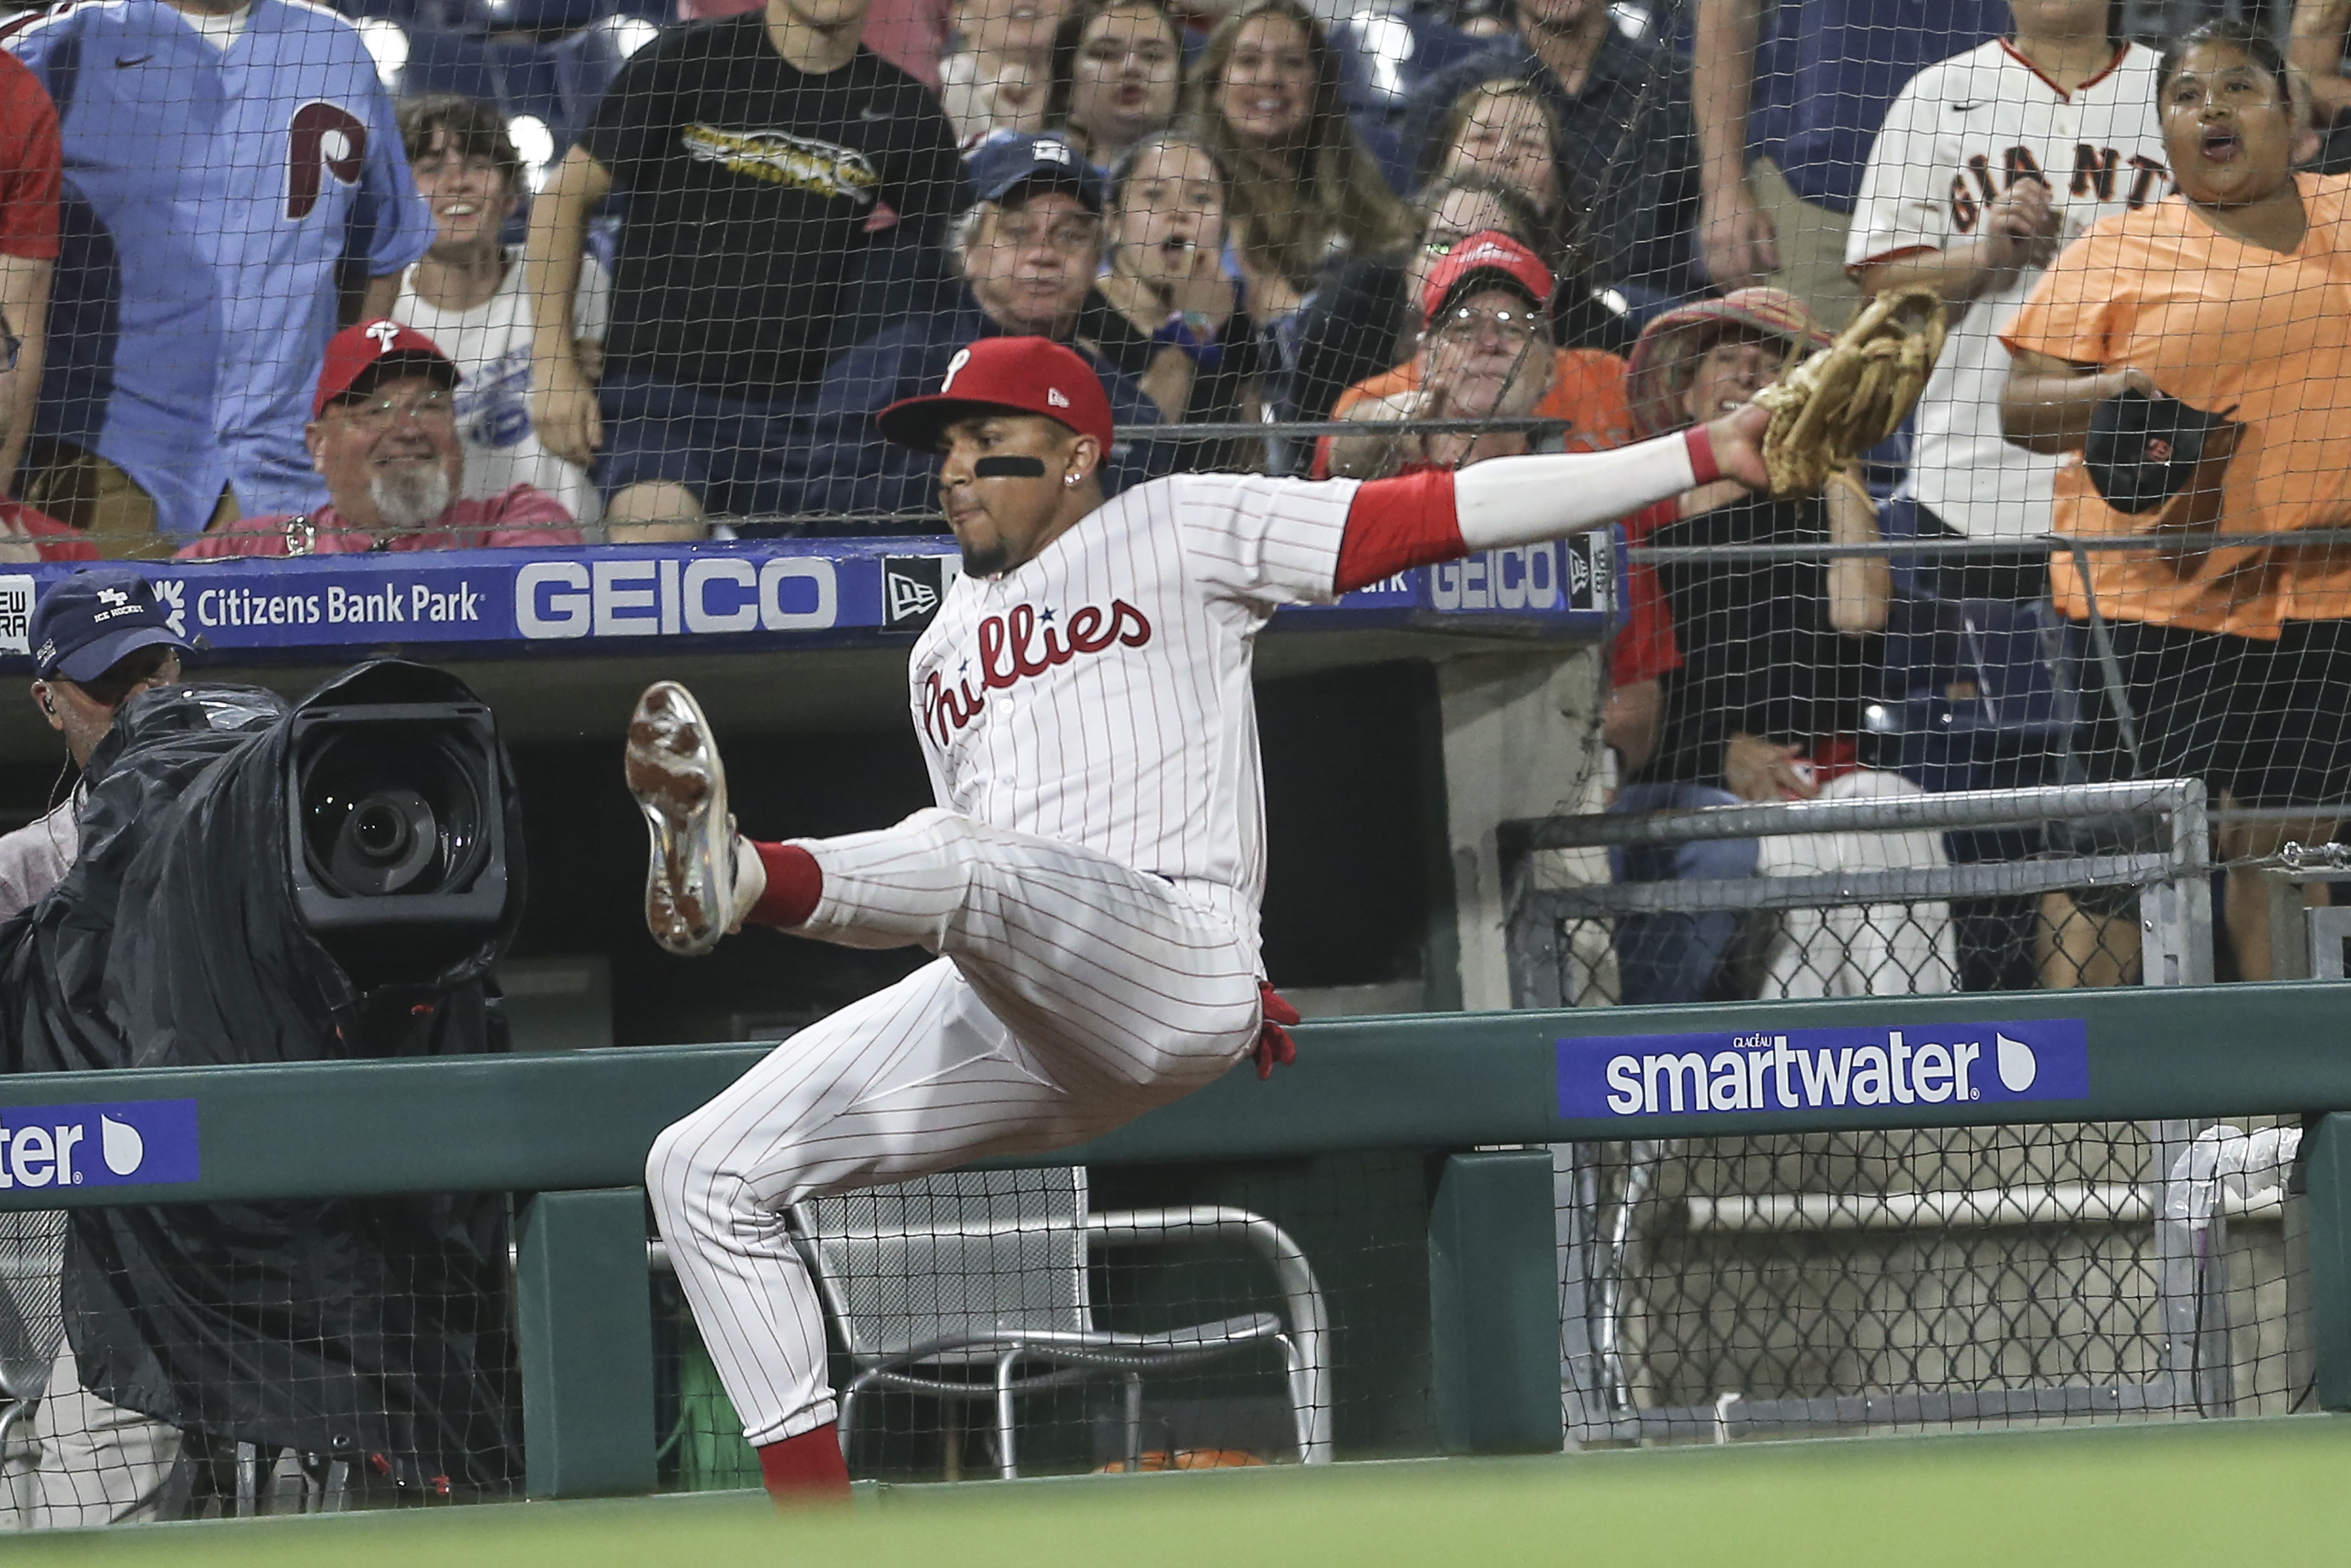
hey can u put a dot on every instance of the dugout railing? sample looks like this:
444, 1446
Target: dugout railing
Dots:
1479, 1094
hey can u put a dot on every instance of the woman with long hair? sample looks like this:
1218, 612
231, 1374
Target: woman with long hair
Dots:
1117, 76
1165, 311
2229, 298
1502, 129
1305, 191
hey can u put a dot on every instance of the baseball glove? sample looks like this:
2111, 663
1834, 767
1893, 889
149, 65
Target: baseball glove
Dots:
1848, 397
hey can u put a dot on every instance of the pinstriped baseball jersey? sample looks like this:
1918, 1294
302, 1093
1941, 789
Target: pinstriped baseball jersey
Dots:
1958, 136
1099, 694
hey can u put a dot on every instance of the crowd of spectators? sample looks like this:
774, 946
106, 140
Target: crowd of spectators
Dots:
396, 330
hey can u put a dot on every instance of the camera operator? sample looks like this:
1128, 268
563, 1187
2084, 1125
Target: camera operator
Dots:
332, 1346
99, 638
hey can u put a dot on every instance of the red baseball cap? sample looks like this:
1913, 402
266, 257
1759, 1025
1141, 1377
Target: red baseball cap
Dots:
356, 354
1487, 252
1024, 375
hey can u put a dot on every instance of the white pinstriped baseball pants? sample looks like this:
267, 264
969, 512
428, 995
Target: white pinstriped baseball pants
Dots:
1071, 994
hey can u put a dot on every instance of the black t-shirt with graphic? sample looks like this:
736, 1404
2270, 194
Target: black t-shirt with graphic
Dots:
752, 188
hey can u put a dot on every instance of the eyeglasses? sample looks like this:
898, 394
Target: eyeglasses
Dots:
381, 414
1073, 235
1464, 325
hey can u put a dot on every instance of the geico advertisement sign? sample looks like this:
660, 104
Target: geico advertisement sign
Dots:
708, 596
1823, 1069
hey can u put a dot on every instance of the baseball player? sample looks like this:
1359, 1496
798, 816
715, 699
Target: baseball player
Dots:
1090, 879
1989, 162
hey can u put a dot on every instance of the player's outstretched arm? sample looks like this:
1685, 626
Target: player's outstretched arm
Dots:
1519, 500
1397, 524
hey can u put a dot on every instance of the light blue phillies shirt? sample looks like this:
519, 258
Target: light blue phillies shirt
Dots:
210, 196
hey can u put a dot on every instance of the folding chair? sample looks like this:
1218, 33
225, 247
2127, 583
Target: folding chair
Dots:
956, 1285
32, 1320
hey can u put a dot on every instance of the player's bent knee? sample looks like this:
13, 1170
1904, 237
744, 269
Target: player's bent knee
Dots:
678, 1172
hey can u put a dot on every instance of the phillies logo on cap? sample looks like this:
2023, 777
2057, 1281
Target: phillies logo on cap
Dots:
384, 333
1015, 375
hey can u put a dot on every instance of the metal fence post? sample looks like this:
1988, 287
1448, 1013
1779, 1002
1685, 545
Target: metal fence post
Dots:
2327, 1152
1493, 1301
584, 1321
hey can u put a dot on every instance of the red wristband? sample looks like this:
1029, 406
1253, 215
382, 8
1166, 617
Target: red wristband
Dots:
1703, 468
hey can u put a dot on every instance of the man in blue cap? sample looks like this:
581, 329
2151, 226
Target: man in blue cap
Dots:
1028, 251
99, 638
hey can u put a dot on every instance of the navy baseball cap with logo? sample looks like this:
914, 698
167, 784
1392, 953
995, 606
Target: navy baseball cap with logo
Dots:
87, 623
1010, 160
2141, 451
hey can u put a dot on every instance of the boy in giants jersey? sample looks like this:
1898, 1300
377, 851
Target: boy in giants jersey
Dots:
1988, 163
1091, 876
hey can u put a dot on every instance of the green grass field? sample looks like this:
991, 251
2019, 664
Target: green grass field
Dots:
2224, 1492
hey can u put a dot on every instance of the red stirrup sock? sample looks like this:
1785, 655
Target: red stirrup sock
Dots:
794, 884
806, 1469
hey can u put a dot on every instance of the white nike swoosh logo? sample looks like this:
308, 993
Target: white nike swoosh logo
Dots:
872, 112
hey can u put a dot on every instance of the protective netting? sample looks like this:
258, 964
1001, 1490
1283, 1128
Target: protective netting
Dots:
1993, 1277
211, 1388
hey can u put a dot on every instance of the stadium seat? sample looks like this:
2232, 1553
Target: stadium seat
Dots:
32, 1323
520, 78
587, 61
948, 1285
1383, 55
544, 18
1971, 683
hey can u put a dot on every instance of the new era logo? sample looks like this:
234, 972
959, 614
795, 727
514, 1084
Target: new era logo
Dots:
1053, 395
912, 589
1591, 571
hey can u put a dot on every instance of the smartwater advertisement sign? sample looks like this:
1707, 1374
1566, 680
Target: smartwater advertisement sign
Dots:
1631, 1076
135, 1143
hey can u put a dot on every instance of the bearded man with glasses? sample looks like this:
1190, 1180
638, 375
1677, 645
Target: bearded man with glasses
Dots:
383, 435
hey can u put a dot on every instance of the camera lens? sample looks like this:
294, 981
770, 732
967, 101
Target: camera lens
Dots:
391, 812
378, 830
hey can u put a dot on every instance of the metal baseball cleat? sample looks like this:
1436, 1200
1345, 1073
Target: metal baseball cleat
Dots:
673, 770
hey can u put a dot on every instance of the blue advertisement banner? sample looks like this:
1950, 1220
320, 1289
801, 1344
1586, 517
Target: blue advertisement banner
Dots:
779, 593
1633, 1076
132, 1143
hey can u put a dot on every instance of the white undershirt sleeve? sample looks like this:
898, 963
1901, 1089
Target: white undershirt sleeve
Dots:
1519, 500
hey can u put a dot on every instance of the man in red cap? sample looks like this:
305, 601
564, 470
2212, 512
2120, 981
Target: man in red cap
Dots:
1091, 876
383, 435
1485, 352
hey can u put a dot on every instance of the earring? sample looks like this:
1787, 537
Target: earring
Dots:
1069, 479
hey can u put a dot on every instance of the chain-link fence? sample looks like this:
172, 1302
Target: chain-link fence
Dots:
1719, 1287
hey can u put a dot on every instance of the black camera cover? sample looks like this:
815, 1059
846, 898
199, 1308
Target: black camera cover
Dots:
350, 1328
